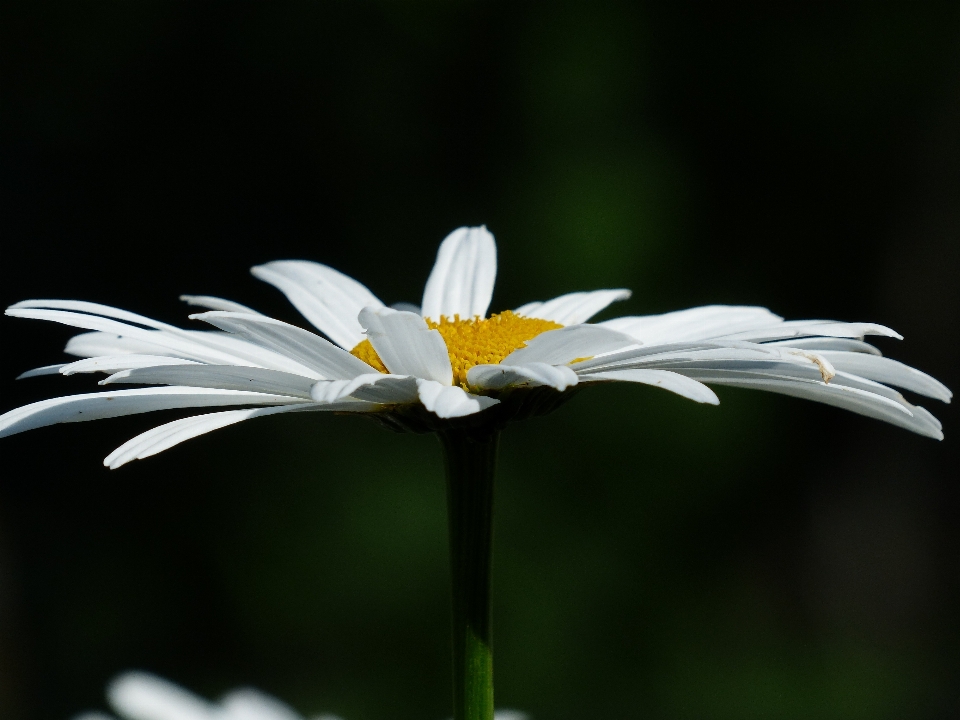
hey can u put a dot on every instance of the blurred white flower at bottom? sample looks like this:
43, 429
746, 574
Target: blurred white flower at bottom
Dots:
142, 696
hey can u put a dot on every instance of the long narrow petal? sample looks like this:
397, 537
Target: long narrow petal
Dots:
96, 406
497, 377
114, 363
559, 347
890, 372
141, 696
160, 338
674, 382
811, 328
168, 339
462, 279
699, 323
679, 355
572, 308
224, 377
191, 345
638, 355
95, 344
450, 401
330, 300
407, 345
302, 345
89, 308
249, 353
882, 404
45, 370
166, 436
807, 365
215, 303
827, 343
374, 387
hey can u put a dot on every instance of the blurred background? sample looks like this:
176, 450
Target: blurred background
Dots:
768, 558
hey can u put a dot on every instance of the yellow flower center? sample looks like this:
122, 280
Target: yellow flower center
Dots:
472, 342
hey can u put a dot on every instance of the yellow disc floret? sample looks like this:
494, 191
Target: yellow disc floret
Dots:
472, 342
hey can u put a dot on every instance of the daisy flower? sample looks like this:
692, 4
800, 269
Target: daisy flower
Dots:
449, 368
447, 362
142, 696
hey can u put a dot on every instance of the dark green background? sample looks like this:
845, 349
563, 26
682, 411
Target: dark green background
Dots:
767, 558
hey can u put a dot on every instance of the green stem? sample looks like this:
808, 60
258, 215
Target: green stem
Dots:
470, 461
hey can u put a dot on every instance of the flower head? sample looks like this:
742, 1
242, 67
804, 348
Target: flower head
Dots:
143, 696
447, 362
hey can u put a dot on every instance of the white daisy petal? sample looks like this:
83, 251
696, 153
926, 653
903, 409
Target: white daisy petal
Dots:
206, 346
116, 403
862, 383
701, 354
827, 343
250, 704
141, 696
806, 365
699, 323
94, 344
837, 393
785, 372
327, 298
891, 372
173, 340
165, 436
210, 347
224, 377
374, 387
45, 370
246, 352
573, 308
559, 347
450, 401
302, 345
497, 377
406, 345
113, 363
230, 349
89, 308
215, 303
638, 356
93, 716
168, 435
809, 328
461, 282
674, 382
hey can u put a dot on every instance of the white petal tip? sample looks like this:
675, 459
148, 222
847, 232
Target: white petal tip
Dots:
37, 372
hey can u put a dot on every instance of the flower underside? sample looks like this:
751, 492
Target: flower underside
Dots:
476, 341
